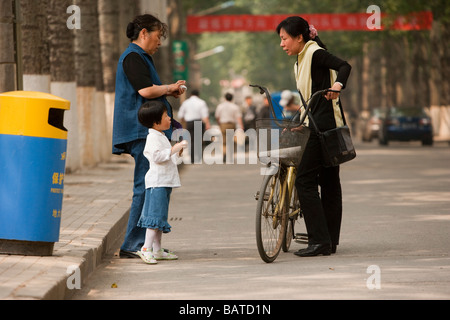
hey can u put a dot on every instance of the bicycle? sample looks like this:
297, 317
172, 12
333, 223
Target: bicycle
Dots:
278, 208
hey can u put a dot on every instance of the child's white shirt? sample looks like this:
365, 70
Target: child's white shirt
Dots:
163, 166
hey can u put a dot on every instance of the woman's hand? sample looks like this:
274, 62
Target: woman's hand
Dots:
297, 129
175, 89
334, 95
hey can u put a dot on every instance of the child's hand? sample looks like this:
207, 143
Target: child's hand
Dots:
184, 144
178, 147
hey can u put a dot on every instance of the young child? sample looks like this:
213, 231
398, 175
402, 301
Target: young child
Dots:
159, 180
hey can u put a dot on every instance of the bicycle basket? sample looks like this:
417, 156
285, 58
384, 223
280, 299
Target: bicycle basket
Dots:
281, 140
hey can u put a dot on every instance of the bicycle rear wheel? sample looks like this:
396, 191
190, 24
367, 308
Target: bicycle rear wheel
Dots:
271, 219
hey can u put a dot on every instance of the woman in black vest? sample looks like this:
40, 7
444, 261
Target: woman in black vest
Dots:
137, 81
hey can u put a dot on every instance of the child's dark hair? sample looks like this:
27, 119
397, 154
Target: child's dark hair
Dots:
151, 113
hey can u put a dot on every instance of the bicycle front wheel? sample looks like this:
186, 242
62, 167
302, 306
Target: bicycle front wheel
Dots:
293, 215
271, 218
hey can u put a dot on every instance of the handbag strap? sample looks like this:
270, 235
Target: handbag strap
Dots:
309, 113
308, 110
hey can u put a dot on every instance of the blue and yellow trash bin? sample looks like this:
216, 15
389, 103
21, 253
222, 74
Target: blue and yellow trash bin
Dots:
33, 144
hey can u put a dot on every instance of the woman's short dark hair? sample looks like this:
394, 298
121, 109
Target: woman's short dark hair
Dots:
296, 26
151, 113
148, 22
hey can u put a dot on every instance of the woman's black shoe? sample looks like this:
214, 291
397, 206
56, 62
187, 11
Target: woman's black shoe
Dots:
314, 250
131, 255
127, 254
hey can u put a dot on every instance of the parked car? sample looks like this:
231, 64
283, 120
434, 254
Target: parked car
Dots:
372, 125
406, 124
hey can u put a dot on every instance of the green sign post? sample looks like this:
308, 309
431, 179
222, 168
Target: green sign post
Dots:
181, 54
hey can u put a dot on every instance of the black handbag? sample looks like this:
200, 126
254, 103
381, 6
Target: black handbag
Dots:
337, 144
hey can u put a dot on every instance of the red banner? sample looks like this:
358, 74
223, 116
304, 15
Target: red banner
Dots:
322, 22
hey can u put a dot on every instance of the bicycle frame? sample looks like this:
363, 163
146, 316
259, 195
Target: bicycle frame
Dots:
288, 184
290, 180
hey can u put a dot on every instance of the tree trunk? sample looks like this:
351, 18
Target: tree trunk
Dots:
85, 47
36, 65
420, 69
435, 76
62, 66
102, 145
365, 77
352, 96
110, 52
406, 83
7, 60
391, 98
444, 131
375, 77
127, 11
445, 63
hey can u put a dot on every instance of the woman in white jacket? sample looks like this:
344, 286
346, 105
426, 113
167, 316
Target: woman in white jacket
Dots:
317, 69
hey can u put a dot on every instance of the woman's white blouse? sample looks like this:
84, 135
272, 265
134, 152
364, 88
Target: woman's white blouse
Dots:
163, 166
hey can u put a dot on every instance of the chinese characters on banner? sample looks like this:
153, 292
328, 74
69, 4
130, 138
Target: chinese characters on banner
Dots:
322, 22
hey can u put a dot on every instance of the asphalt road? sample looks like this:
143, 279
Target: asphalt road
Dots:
394, 241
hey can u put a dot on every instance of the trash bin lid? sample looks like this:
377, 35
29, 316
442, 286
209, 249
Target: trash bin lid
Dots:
35, 114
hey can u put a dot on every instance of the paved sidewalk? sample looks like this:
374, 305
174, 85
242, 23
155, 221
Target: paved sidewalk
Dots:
94, 216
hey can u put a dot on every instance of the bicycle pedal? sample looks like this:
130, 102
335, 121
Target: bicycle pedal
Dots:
301, 235
266, 196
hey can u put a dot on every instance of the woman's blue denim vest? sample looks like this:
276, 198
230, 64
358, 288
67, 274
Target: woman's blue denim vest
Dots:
126, 126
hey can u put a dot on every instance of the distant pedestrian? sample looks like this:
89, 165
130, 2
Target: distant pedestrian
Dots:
264, 112
195, 110
228, 116
290, 107
159, 180
249, 114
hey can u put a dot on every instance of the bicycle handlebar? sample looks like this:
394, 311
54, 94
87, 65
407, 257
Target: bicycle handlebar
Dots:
307, 107
263, 90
